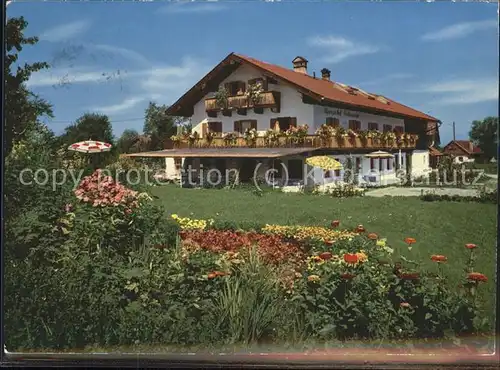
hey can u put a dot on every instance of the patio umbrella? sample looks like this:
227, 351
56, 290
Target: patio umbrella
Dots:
90, 146
379, 154
324, 162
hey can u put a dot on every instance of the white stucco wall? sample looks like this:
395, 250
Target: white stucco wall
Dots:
420, 163
291, 105
322, 113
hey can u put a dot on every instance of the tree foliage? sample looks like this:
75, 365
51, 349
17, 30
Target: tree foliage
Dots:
158, 125
22, 107
484, 133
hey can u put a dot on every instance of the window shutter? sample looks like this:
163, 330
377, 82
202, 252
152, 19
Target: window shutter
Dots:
272, 122
253, 124
293, 121
237, 126
241, 86
219, 127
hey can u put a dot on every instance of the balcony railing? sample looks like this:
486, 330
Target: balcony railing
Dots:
310, 141
268, 99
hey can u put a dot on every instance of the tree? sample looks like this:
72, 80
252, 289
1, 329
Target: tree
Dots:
484, 135
126, 142
158, 125
22, 107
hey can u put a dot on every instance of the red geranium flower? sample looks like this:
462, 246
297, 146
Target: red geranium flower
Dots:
350, 258
360, 229
219, 273
326, 255
372, 236
347, 276
438, 258
410, 241
476, 276
470, 246
335, 223
409, 275
212, 275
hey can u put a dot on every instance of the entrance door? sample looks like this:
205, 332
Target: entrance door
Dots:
295, 169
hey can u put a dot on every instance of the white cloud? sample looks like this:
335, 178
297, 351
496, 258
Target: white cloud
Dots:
385, 79
339, 48
65, 31
191, 7
462, 91
125, 105
459, 30
65, 76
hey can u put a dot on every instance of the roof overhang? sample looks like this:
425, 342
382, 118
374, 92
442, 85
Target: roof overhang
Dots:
222, 153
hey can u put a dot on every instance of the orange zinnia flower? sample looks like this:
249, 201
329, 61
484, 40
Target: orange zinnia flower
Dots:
219, 273
212, 275
410, 241
326, 255
360, 229
350, 258
347, 276
476, 276
335, 223
372, 236
316, 258
438, 258
404, 304
470, 246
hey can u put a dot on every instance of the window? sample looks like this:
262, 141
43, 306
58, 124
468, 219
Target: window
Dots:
387, 128
380, 164
354, 125
295, 169
327, 174
373, 126
284, 122
337, 172
178, 163
235, 88
332, 121
255, 81
396, 161
461, 159
372, 163
358, 163
398, 129
215, 127
241, 126
388, 164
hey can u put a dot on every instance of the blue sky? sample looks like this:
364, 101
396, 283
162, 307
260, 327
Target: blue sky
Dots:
114, 57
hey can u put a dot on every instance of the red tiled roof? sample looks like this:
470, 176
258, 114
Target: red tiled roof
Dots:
466, 146
316, 88
434, 152
336, 92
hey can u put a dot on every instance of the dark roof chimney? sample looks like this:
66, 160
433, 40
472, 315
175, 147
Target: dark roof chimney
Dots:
325, 74
300, 65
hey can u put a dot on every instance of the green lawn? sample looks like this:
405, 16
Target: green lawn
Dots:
439, 227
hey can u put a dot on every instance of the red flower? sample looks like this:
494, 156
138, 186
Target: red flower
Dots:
410, 241
476, 276
470, 246
360, 229
347, 276
409, 276
372, 236
220, 273
212, 275
328, 242
326, 255
350, 258
438, 258
335, 223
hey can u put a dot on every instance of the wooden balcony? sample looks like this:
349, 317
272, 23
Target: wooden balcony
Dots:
268, 99
311, 141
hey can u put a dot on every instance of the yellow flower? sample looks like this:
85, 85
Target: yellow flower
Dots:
313, 278
381, 243
362, 257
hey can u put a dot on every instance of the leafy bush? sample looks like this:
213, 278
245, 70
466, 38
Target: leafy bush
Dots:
483, 197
